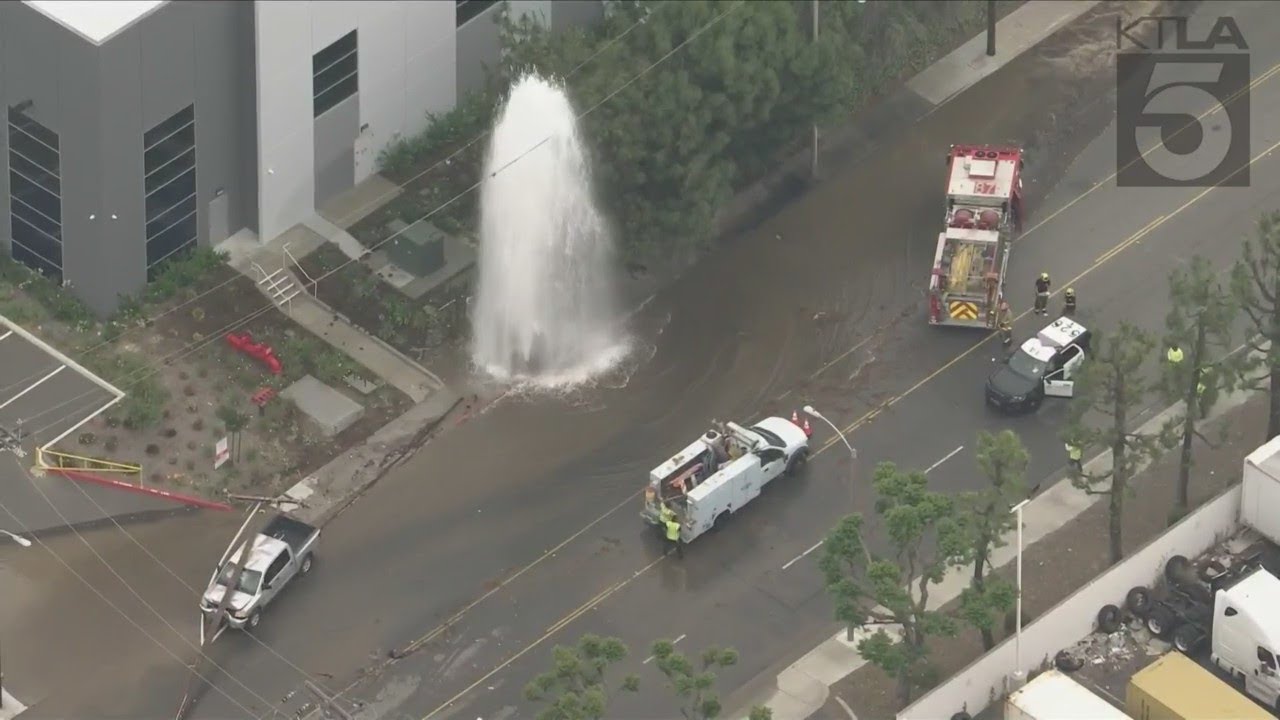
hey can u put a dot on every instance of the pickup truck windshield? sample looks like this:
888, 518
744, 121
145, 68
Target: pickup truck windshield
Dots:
250, 580
769, 437
1026, 366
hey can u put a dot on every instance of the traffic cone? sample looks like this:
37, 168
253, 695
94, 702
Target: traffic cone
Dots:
795, 418
808, 431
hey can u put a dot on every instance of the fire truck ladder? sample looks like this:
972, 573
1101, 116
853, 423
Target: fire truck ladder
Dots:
47, 460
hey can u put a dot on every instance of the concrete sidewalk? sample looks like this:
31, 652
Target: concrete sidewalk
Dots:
255, 260
805, 685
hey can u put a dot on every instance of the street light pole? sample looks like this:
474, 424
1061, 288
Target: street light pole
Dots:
1018, 673
814, 167
853, 471
16, 538
991, 28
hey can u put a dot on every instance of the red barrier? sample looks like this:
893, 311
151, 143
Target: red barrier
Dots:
261, 352
155, 492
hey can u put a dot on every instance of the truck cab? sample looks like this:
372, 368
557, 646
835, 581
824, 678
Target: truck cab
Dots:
282, 551
723, 470
1046, 365
1246, 634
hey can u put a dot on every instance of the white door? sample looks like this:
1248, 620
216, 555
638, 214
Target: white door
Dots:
1056, 386
1263, 683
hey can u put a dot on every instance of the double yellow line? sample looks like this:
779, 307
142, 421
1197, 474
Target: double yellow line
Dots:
1103, 258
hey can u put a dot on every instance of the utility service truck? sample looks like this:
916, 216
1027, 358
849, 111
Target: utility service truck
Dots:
721, 472
278, 554
983, 211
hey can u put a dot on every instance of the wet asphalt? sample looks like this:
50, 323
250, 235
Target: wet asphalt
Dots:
453, 545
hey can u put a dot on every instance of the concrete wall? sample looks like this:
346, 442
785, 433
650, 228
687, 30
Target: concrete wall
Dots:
1070, 620
102, 99
403, 50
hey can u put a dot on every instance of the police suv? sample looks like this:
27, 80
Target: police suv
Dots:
1045, 365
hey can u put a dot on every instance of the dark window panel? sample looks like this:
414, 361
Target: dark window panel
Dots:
43, 253
35, 173
34, 129
169, 242
470, 9
33, 150
169, 217
165, 174
185, 116
175, 192
336, 94
332, 54
169, 148
35, 196
36, 219
336, 73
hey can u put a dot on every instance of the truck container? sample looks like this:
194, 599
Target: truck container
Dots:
1055, 696
1260, 491
1176, 688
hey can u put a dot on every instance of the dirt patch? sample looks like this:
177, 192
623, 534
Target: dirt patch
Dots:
1062, 562
185, 381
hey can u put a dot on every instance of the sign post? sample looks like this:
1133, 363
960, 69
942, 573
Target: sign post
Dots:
221, 452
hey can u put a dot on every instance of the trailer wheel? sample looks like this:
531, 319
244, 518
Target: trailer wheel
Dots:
1160, 622
1109, 619
1187, 639
1138, 601
797, 462
1177, 570
306, 565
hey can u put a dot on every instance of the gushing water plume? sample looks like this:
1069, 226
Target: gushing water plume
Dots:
545, 312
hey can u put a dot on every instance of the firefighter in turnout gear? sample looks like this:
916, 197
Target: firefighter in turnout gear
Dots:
1006, 334
1069, 302
1042, 294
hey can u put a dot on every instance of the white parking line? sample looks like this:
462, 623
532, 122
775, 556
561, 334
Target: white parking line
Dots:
6, 335
948, 457
797, 558
673, 642
33, 386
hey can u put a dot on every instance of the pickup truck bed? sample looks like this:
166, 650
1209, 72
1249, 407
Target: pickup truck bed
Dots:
294, 533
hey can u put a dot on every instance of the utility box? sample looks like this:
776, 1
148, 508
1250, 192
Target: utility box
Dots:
1176, 688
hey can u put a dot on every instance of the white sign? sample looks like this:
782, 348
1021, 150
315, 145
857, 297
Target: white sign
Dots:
221, 452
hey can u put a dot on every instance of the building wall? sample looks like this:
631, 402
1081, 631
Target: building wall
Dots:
403, 50
102, 99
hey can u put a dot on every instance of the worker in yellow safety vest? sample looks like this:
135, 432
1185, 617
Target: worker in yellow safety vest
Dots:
673, 535
1075, 456
1174, 355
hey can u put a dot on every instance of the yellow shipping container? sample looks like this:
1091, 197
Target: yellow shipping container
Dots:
1176, 688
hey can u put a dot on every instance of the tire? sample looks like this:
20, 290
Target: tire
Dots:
1187, 639
306, 565
255, 619
1178, 570
1160, 622
962, 715
721, 520
797, 462
1066, 662
1138, 601
1108, 619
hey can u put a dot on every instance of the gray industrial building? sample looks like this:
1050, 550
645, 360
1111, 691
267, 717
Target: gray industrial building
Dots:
137, 129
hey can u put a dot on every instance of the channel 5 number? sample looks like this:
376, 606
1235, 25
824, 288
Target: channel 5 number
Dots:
1178, 97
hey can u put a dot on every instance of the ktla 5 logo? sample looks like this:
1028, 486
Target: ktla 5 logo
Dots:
1168, 87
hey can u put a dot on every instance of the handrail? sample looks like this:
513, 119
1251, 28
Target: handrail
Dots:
315, 286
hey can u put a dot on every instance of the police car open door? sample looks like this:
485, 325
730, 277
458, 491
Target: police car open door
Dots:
1059, 383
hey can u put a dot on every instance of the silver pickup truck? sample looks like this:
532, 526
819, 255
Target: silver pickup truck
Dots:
278, 554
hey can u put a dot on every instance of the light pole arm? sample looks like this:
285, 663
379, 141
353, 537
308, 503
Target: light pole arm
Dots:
839, 434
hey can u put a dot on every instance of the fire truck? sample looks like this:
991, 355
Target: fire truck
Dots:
984, 209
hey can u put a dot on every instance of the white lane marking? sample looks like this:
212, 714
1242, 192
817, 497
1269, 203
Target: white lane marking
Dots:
37, 384
797, 558
673, 642
846, 707
948, 457
6, 335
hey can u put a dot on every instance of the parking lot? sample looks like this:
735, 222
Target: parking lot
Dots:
44, 396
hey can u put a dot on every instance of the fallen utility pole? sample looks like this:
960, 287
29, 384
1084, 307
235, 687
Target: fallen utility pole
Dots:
327, 703
210, 625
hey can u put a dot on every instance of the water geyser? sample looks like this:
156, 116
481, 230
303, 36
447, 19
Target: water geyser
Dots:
545, 309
